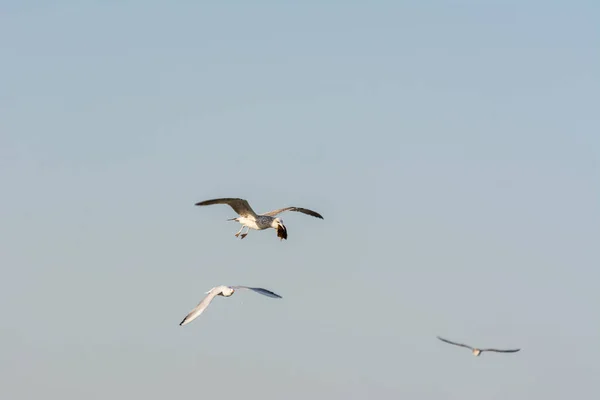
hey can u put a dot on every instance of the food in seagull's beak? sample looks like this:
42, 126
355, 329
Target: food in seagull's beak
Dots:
281, 232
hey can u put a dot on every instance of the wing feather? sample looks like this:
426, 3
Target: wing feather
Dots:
298, 209
240, 206
454, 343
502, 351
262, 291
192, 315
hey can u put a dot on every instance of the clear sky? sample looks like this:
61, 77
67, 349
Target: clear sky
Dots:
452, 147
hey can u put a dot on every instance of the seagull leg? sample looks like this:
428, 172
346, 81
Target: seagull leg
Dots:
240, 231
245, 234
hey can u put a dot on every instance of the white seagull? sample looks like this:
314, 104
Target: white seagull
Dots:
250, 220
477, 352
225, 291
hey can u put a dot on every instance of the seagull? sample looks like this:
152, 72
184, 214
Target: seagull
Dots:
477, 352
249, 219
225, 291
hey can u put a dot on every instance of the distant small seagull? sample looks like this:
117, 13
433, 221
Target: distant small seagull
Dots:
249, 219
225, 291
477, 352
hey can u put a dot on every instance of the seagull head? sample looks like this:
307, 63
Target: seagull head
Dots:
280, 227
227, 292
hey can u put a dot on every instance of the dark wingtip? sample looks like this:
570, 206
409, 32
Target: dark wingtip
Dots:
181, 323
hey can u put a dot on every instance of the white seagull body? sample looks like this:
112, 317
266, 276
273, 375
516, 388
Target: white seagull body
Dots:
477, 352
225, 291
250, 220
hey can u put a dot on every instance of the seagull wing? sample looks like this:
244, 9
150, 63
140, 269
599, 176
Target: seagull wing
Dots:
454, 343
201, 306
240, 206
262, 291
302, 210
502, 351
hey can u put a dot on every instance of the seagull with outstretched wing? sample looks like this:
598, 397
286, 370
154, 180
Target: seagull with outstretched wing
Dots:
477, 352
250, 220
225, 291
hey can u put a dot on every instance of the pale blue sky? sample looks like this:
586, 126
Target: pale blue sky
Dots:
452, 147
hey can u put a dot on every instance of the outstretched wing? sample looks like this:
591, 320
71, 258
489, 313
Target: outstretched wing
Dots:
200, 307
262, 291
240, 206
502, 351
454, 343
302, 210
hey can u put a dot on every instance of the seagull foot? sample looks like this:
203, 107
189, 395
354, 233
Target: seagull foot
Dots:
243, 235
237, 234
